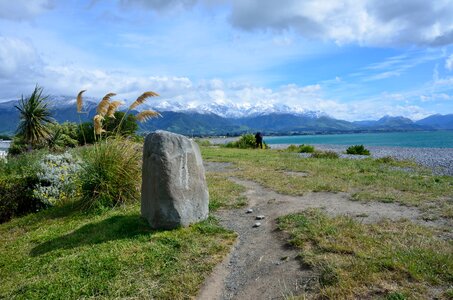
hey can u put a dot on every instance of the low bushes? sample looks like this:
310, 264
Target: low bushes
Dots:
301, 148
357, 150
57, 178
246, 141
17, 182
17, 198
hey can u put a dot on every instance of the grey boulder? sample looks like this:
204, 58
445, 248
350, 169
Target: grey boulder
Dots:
174, 188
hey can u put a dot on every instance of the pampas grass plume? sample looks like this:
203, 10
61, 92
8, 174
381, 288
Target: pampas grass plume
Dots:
146, 115
104, 104
142, 99
80, 101
97, 122
112, 109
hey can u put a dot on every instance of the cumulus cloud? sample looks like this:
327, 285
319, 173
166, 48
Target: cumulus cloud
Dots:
18, 57
367, 22
19, 10
68, 80
370, 22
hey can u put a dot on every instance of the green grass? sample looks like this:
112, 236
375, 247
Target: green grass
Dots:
223, 193
369, 179
363, 261
62, 253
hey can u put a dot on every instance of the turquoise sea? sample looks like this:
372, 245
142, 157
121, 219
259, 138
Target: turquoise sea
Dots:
430, 139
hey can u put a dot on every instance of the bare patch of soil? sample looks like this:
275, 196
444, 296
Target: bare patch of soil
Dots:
262, 265
212, 166
296, 174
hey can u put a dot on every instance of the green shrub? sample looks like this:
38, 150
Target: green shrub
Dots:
292, 148
301, 148
325, 154
57, 178
111, 173
357, 150
306, 149
246, 141
17, 146
203, 142
17, 197
17, 181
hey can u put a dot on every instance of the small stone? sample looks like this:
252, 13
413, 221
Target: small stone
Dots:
257, 224
260, 217
249, 211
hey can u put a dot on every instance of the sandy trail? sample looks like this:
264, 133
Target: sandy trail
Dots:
262, 265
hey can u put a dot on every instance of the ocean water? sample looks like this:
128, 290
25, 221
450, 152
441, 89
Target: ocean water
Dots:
429, 139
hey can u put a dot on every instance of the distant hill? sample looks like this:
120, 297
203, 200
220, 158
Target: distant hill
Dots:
193, 123
231, 119
388, 123
291, 123
438, 121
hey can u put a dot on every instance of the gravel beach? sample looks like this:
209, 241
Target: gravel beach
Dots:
440, 160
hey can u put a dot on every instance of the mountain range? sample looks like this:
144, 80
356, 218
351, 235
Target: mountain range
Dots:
222, 118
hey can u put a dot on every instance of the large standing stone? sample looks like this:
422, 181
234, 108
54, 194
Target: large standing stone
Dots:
174, 189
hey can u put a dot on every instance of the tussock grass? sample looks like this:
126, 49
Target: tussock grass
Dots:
358, 261
367, 179
111, 173
63, 253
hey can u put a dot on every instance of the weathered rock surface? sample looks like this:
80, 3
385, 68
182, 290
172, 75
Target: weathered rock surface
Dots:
174, 188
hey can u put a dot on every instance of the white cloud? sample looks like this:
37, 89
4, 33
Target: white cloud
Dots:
18, 57
367, 22
449, 63
19, 10
370, 22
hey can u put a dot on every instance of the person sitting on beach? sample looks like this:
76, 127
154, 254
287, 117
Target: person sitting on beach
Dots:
259, 140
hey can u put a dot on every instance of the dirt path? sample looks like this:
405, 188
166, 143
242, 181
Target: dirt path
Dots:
262, 265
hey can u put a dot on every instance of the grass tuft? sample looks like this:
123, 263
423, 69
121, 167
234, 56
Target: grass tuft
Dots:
325, 154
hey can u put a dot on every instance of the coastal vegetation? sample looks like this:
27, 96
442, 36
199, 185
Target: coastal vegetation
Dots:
357, 150
82, 235
301, 148
111, 252
246, 141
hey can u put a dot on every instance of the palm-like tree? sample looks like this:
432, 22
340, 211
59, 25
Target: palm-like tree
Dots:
35, 118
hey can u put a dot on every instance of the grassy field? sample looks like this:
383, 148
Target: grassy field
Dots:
65, 254
388, 260
112, 253
370, 179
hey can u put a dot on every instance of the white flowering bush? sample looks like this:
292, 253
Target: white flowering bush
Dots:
57, 178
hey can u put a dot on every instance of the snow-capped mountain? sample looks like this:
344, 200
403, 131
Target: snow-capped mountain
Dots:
221, 108
233, 110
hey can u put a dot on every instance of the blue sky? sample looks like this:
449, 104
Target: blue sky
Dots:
353, 60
